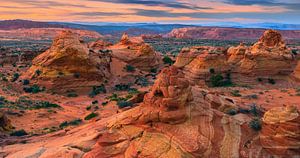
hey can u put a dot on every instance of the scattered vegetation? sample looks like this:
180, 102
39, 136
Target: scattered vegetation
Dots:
97, 90
271, 81
33, 89
142, 81
15, 77
91, 115
122, 104
26, 82
217, 80
72, 94
129, 68
168, 60
70, 123
236, 93
232, 112
19, 133
255, 124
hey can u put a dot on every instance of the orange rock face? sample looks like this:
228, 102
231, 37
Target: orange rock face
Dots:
269, 57
280, 134
136, 53
68, 57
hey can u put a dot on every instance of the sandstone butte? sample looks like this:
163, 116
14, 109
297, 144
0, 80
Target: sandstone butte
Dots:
92, 63
67, 57
176, 119
137, 53
244, 64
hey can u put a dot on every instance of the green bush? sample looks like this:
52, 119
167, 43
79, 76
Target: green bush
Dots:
33, 89
129, 68
153, 70
97, 90
26, 82
142, 81
19, 133
71, 123
122, 104
271, 81
168, 60
90, 116
255, 124
236, 93
15, 77
232, 112
122, 87
219, 81
38, 72
72, 94
76, 75
212, 70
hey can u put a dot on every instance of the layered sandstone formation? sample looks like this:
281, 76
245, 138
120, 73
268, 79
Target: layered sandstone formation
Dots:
69, 63
281, 131
268, 58
219, 33
136, 52
174, 120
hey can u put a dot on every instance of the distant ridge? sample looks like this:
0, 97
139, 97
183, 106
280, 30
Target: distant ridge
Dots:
26, 24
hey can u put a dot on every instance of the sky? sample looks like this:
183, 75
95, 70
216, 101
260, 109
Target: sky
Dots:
160, 11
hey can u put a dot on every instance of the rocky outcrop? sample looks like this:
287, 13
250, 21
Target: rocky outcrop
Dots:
269, 57
137, 53
280, 134
69, 64
176, 120
218, 33
5, 124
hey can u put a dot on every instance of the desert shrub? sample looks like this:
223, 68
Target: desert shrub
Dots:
219, 81
259, 79
72, 94
95, 102
38, 72
26, 82
232, 112
251, 96
243, 111
129, 68
142, 81
104, 103
212, 70
97, 90
15, 77
236, 93
122, 104
4, 79
168, 60
255, 124
254, 110
122, 87
153, 70
19, 133
115, 97
61, 74
33, 89
70, 123
76, 75
271, 81
90, 116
